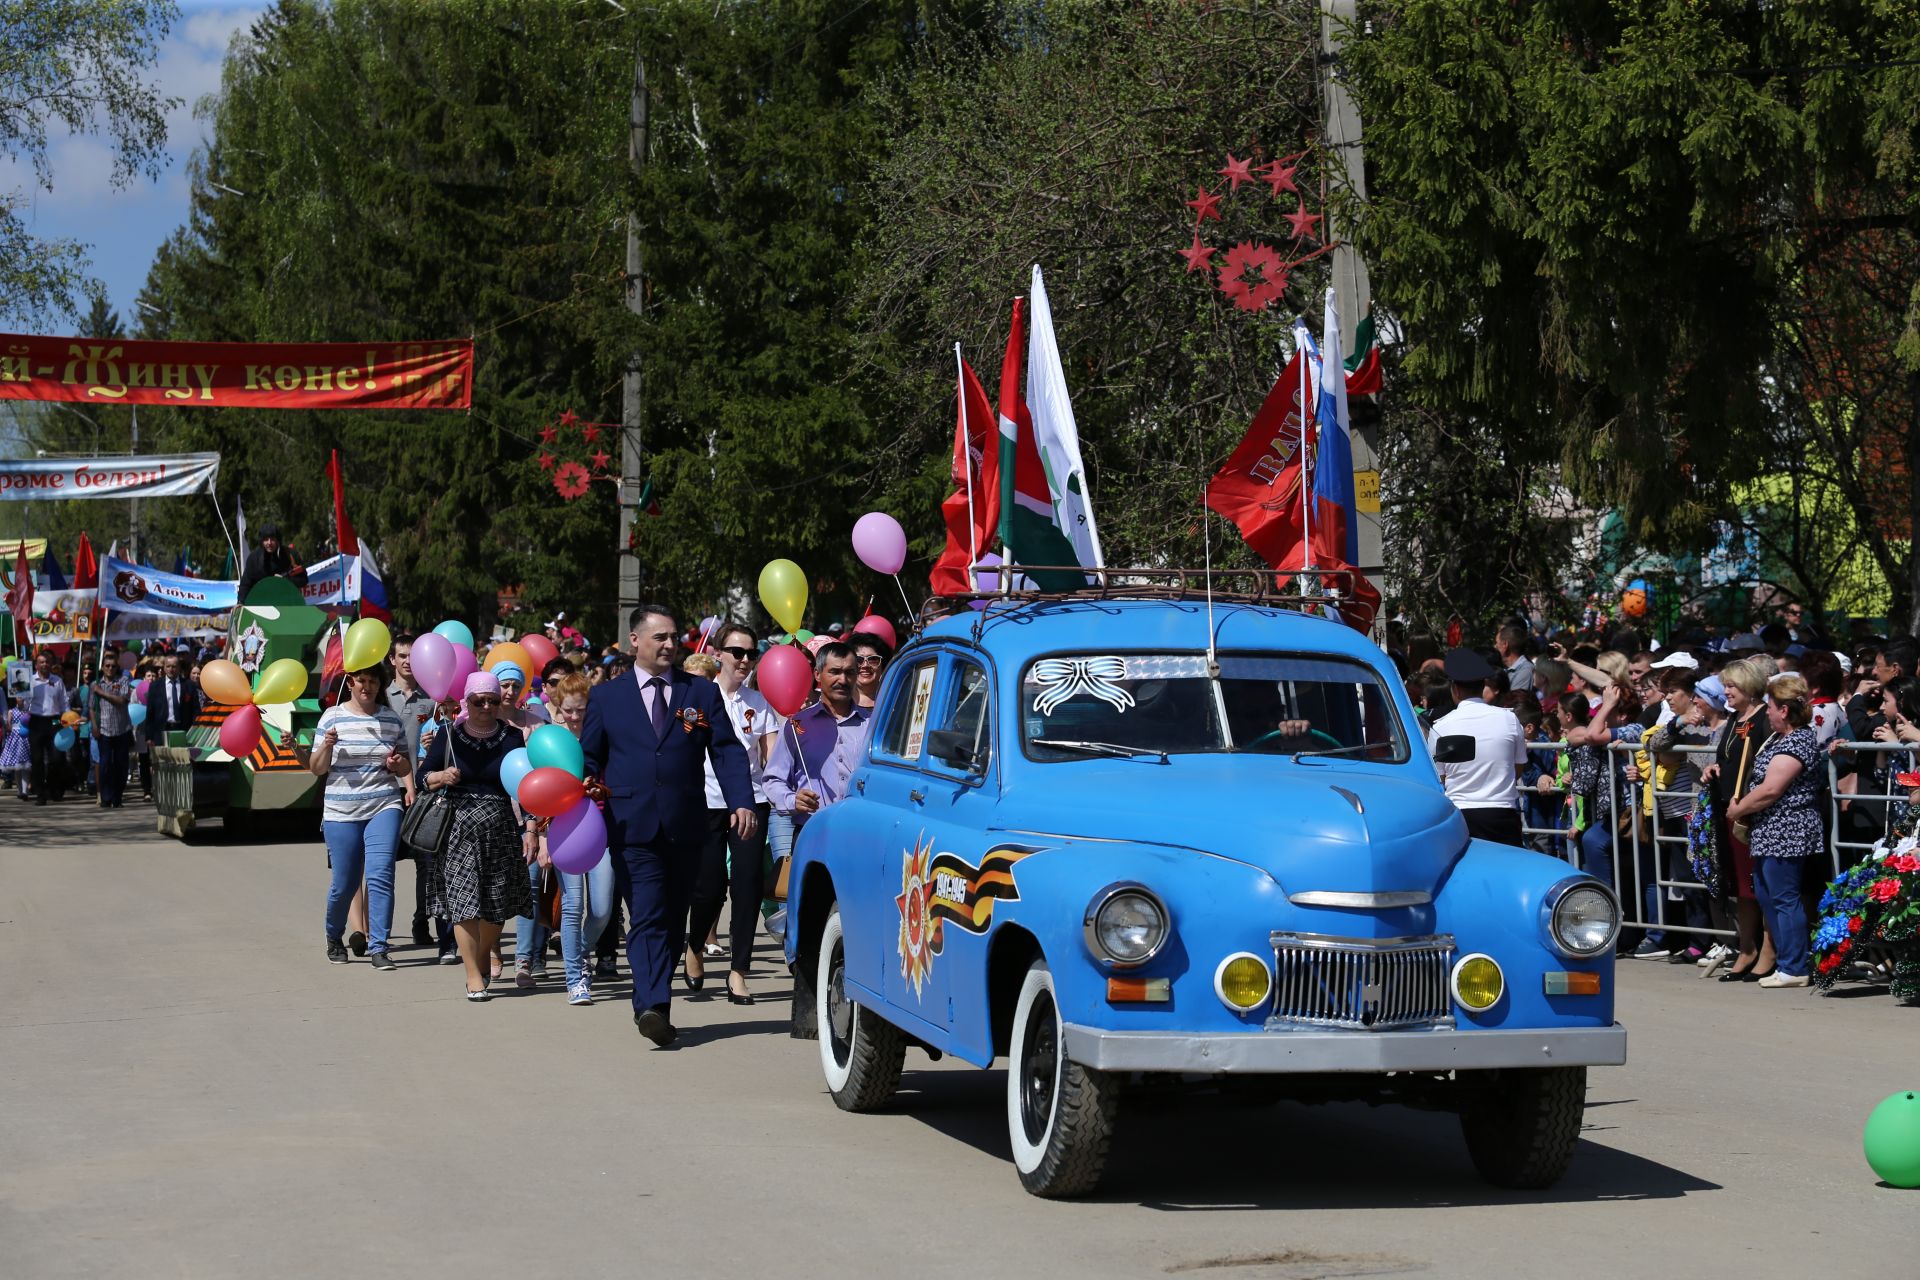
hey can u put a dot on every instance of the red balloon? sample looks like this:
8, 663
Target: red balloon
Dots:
240, 731
875, 625
550, 792
541, 650
785, 678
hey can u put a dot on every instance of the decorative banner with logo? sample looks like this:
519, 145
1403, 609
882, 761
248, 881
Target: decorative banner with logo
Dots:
171, 475
256, 375
126, 587
62, 617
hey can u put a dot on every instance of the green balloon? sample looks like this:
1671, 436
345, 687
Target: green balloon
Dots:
803, 635
552, 747
1892, 1140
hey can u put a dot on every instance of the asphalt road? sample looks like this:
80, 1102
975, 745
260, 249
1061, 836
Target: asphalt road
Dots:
187, 1088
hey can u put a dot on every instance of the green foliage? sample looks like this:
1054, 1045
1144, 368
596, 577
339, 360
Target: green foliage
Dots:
81, 64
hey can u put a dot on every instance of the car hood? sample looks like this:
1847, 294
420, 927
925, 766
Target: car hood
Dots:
1328, 827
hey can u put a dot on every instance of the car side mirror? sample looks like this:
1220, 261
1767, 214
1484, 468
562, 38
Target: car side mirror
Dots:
1453, 748
953, 748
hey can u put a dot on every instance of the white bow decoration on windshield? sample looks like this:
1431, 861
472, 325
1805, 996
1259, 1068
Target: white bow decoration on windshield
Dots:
1062, 679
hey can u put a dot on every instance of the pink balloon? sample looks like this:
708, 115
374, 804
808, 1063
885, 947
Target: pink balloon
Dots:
541, 650
433, 663
880, 542
240, 732
141, 689
875, 625
577, 839
464, 665
786, 678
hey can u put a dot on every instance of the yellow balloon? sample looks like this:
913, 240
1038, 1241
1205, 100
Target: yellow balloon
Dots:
367, 643
284, 680
783, 590
516, 653
225, 683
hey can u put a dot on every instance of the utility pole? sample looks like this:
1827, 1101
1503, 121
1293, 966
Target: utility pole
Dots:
1342, 130
133, 504
630, 408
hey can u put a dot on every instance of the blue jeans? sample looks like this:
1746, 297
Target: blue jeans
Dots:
529, 938
586, 901
357, 849
1776, 883
1596, 852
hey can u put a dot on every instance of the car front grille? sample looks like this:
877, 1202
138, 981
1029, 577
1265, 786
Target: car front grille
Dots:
1366, 984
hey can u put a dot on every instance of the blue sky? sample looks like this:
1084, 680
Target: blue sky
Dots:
123, 227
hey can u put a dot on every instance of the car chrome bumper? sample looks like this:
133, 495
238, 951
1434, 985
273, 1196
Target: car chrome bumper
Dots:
1280, 1052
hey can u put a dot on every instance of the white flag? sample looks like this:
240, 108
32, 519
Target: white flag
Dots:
1054, 432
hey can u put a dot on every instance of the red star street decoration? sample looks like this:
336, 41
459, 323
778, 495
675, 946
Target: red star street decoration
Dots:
1279, 177
599, 459
568, 417
590, 433
1205, 205
547, 434
1236, 172
546, 462
571, 480
1302, 223
1252, 275
1199, 256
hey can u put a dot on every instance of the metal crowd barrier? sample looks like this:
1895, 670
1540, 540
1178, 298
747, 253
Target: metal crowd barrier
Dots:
1635, 864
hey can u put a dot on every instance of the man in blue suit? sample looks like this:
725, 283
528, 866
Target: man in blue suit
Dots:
646, 738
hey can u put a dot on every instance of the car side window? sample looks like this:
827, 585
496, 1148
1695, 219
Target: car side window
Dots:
964, 711
904, 733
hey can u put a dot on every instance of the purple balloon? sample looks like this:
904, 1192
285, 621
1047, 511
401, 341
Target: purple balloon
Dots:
988, 580
880, 542
464, 665
577, 839
433, 664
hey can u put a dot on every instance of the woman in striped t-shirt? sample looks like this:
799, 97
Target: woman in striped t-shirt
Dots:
362, 753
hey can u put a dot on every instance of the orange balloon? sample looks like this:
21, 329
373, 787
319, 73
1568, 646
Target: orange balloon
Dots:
224, 682
1634, 604
508, 651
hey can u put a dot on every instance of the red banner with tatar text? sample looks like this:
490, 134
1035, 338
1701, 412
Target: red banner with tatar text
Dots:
254, 375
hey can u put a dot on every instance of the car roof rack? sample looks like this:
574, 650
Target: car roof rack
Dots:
1225, 586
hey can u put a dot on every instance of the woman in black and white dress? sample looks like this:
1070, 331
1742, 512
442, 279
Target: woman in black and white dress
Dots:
480, 881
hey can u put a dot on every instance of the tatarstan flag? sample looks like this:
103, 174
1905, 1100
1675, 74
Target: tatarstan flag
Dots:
1363, 366
1027, 525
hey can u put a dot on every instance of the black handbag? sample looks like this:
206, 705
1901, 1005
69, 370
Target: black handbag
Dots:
425, 828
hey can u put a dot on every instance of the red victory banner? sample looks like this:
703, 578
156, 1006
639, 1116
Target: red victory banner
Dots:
254, 375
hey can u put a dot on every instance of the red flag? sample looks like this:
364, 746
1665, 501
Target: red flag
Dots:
86, 566
1365, 379
348, 544
334, 665
1260, 490
20, 595
971, 522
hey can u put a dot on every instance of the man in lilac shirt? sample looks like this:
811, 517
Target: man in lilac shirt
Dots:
820, 747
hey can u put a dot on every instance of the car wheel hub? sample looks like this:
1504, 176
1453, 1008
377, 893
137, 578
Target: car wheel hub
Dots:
1039, 1065
839, 1009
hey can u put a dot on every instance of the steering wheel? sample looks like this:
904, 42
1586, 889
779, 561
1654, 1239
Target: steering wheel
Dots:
1271, 734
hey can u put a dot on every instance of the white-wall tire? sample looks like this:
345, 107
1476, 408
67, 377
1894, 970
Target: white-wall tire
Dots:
861, 1054
1059, 1113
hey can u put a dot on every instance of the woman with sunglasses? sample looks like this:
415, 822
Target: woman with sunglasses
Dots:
728, 862
480, 879
361, 751
870, 655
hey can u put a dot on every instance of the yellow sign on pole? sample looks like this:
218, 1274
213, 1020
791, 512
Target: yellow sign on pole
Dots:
1366, 491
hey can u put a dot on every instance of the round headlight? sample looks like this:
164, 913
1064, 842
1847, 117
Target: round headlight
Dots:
1126, 925
1242, 981
1586, 919
1477, 982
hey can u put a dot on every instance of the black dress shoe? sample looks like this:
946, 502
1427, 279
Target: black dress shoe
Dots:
739, 999
693, 983
653, 1024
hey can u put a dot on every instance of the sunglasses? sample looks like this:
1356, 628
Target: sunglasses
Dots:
744, 654
483, 702
869, 660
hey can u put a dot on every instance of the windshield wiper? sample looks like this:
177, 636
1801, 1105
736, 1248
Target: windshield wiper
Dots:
1336, 751
1113, 749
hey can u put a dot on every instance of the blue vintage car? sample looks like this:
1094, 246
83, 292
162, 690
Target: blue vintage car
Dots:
1111, 839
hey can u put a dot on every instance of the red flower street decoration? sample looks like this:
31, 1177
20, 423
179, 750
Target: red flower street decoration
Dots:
599, 459
571, 480
1199, 257
1205, 205
1236, 172
1252, 275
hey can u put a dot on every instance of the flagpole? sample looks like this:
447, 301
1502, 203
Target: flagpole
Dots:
966, 469
1306, 459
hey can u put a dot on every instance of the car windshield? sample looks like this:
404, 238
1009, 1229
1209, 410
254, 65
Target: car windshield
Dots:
1075, 707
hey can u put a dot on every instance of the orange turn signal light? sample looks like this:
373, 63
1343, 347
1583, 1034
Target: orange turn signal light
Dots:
1139, 990
1573, 984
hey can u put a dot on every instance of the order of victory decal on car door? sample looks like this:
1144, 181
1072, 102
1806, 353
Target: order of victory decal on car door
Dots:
937, 888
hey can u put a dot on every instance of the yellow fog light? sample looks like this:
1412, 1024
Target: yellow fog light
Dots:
1242, 981
1477, 982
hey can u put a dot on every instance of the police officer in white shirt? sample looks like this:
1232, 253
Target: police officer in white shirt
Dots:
1486, 786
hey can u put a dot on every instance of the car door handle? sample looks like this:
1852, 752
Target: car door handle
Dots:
916, 796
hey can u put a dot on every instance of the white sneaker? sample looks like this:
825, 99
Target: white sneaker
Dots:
579, 993
1716, 954
1783, 980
